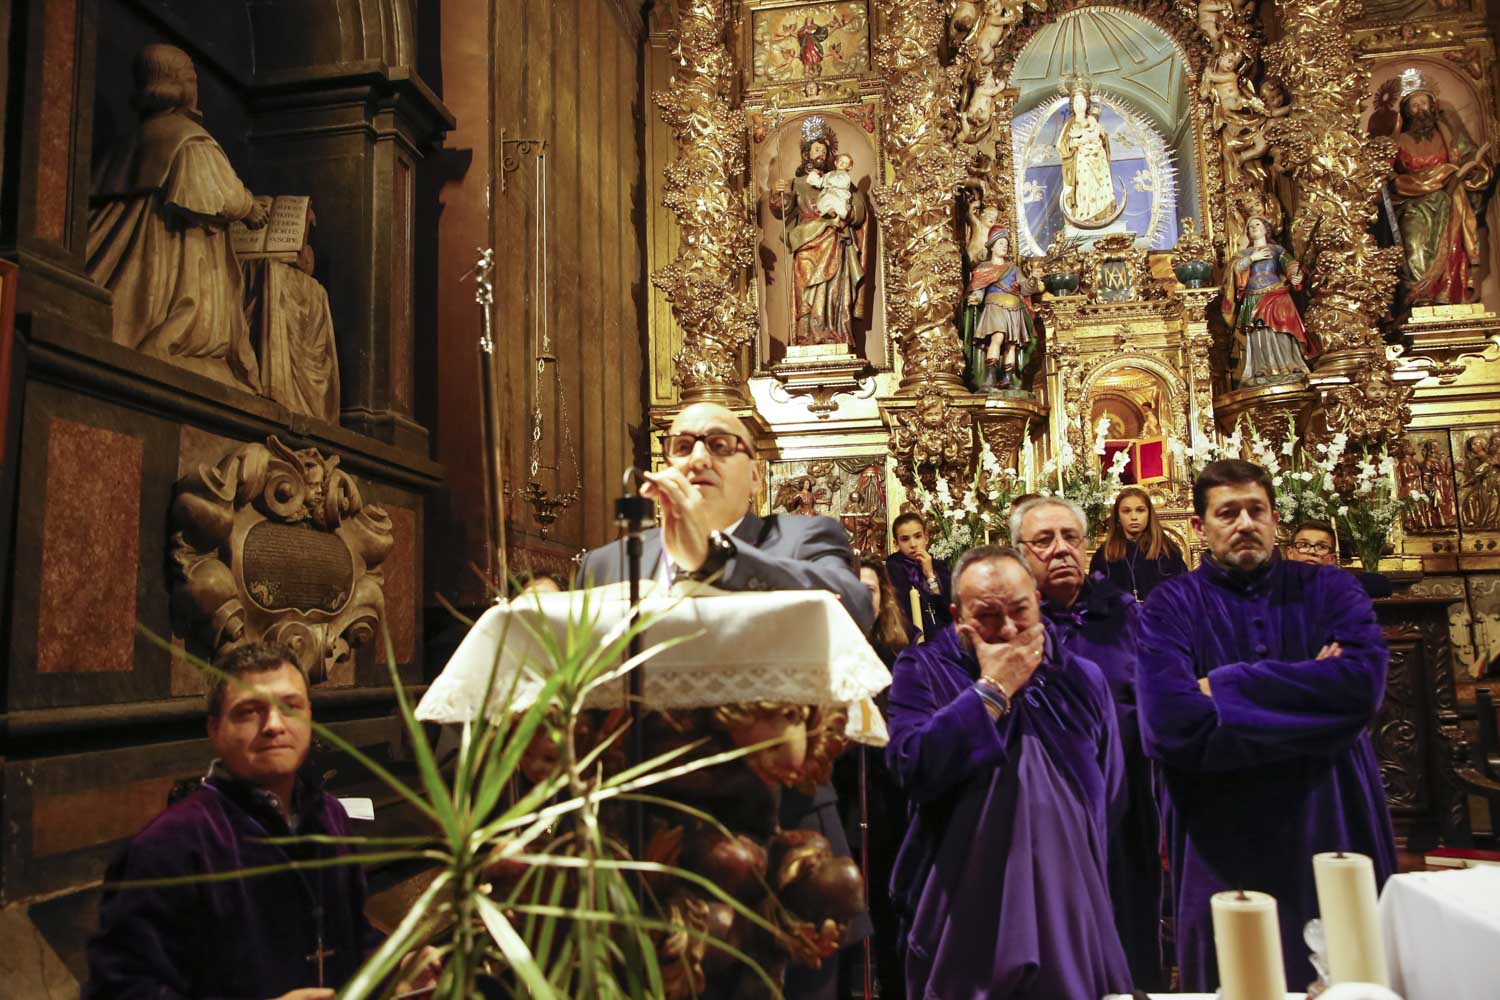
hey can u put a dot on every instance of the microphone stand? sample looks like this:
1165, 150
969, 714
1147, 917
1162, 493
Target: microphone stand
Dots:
632, 513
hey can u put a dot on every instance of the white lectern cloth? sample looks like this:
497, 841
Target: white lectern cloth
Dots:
795, 646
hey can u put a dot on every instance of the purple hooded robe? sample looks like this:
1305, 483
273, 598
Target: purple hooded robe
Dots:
1001, 882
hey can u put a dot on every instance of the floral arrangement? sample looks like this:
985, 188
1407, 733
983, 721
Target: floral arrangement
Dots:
1371, 509
1091, 487
953, 527
1303, 483
1313, 484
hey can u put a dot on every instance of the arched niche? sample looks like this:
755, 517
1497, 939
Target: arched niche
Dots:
1144, 78
1126, 387
290, 35
776, 158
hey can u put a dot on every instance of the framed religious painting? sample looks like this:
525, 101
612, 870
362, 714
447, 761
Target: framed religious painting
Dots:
806, 43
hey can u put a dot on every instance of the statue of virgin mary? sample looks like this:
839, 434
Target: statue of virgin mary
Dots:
1088, 198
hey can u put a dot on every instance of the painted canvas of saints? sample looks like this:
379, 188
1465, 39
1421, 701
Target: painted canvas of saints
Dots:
810, 41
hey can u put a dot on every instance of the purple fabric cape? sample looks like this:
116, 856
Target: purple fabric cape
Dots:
1277, 765
246, 939
1001, 881
1135, 574
1102, 627
906, 573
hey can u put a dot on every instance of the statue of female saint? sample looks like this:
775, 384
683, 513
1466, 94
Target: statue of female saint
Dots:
999, 320
1088, 198
1270, 342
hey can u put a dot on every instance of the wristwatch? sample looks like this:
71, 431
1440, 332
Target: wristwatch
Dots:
720, 550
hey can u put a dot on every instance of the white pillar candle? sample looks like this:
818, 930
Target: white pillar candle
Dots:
1346, 902
916, 613
1248, 941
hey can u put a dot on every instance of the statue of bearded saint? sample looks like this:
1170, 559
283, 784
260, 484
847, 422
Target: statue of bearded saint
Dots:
825, 237
1438, 184
1088, 198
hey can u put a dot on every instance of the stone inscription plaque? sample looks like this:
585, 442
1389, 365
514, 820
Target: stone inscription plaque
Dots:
295, 567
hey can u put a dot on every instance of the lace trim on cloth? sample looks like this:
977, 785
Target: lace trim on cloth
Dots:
799, 647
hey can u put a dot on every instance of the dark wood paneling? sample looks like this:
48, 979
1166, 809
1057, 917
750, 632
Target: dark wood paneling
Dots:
568, 72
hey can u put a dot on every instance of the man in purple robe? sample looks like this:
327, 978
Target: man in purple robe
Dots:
1097, 621
1006, 745
1262, 678
292, 935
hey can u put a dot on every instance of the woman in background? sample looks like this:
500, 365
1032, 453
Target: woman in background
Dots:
1137, 554
876, 819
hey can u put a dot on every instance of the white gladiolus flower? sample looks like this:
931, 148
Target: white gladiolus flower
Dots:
1276, 481
1343, 510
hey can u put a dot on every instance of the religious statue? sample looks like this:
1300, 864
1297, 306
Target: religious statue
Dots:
1150, 422
158, 230
1088, 199
1479, 495
999, 319
800, 495
975, 122
1438, 184
1241, 115
826, 247
299, 362
1437, 483
1270, 343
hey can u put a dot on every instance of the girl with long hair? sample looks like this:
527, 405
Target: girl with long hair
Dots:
890, 634
1137, 554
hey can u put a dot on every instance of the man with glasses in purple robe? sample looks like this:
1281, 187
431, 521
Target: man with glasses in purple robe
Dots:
1259, 679
1098, 621
1005, 742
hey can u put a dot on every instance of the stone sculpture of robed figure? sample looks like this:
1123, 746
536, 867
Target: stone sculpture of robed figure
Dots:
158, 239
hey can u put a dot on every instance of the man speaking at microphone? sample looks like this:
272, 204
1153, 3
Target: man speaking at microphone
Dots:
709, 533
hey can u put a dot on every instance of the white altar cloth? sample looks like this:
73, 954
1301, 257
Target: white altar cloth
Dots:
799, 647
1442, 933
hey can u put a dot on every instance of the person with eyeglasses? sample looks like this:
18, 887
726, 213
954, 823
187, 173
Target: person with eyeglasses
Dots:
1314, 542
1258, 680
709, 533
1094, 619
1005, 743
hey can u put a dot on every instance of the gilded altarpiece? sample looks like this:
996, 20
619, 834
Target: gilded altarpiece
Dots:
1231, 148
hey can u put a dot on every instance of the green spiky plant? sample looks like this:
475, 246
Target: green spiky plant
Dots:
572, 924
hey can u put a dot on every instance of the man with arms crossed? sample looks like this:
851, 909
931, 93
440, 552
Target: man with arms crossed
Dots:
1259, 679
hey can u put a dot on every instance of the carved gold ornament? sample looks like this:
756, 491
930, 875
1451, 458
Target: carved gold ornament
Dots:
705, 281
924, 273
1339, 171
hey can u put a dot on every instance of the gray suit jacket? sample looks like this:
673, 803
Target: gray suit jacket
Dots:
780, 552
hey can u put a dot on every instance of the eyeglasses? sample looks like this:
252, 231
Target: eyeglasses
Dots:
1045, 541
721, 444
1313, 548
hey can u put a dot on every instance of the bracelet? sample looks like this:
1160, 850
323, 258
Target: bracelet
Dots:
993, 695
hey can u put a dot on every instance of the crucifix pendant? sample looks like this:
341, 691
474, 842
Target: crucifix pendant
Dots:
318, 955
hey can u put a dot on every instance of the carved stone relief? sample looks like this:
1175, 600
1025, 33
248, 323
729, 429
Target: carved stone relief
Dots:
276, 543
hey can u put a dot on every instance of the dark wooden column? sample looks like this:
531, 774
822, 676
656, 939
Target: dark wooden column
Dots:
350, 135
